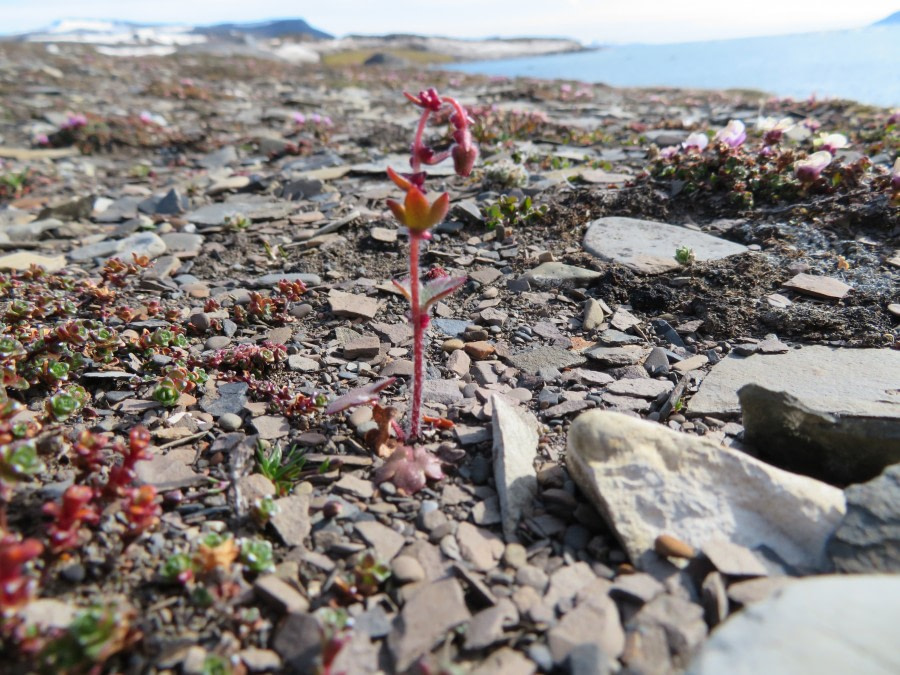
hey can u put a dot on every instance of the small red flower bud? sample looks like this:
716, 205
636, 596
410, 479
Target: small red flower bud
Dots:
464, 160
430, 99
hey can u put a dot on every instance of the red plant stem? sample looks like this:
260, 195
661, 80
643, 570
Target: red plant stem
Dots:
418, 334
460, 111
417, 142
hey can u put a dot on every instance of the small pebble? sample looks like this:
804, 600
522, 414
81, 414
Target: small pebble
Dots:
407, 569
230, 422
515, 555
452, 345
669, 546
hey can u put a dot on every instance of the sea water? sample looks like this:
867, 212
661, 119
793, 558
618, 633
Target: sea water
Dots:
861, 64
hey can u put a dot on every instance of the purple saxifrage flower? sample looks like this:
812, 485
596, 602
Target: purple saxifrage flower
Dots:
831, 142
733, 135
809, 169
696, 141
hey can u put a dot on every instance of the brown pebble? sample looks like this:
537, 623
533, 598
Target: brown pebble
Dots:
479, 350
626, 568
669, 546
452, 345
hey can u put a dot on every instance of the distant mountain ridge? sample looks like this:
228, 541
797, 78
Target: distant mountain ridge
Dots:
267, 29
98, 31
292, 40
892, 19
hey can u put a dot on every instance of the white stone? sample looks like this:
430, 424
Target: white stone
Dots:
830, 625
839, 381
649, 247
648, 480
515, 448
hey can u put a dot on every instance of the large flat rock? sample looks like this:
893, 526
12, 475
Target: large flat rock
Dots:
829, 624
646, 480
863, 382
649, 247
839, 449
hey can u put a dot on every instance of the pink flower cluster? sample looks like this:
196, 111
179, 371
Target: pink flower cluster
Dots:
75, 121
314, 119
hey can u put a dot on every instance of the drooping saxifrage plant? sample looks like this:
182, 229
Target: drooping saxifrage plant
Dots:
419, 214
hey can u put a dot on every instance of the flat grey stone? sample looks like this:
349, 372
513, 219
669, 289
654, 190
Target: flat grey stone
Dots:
141, 244
515, 433
838, 381
100, 249
559, 275
121, 209
30, 231
183, 241
616, 338
486, 627
270, 280
545, 357
649, 247
445, 392
298, 641
485, 275
681, 624
641, 388
291, 520
839, 449
214, 215
467, 435
400, 164
384, 541
352, 305
230, 397
566, 408
169, 471
424, 620
828, 624
270, 427
616, 356
595, 620
868, 539
451, 327
171, 203
622, 319
657, 363
277, 592
302, 363
593, 315
733, 559
219, 158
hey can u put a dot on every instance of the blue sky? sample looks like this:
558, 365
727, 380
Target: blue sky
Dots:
607, 21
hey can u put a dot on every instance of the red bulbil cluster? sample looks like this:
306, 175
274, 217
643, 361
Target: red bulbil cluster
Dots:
121, 476
81, 503
141, 507
69, 515
88, 452
16, 589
